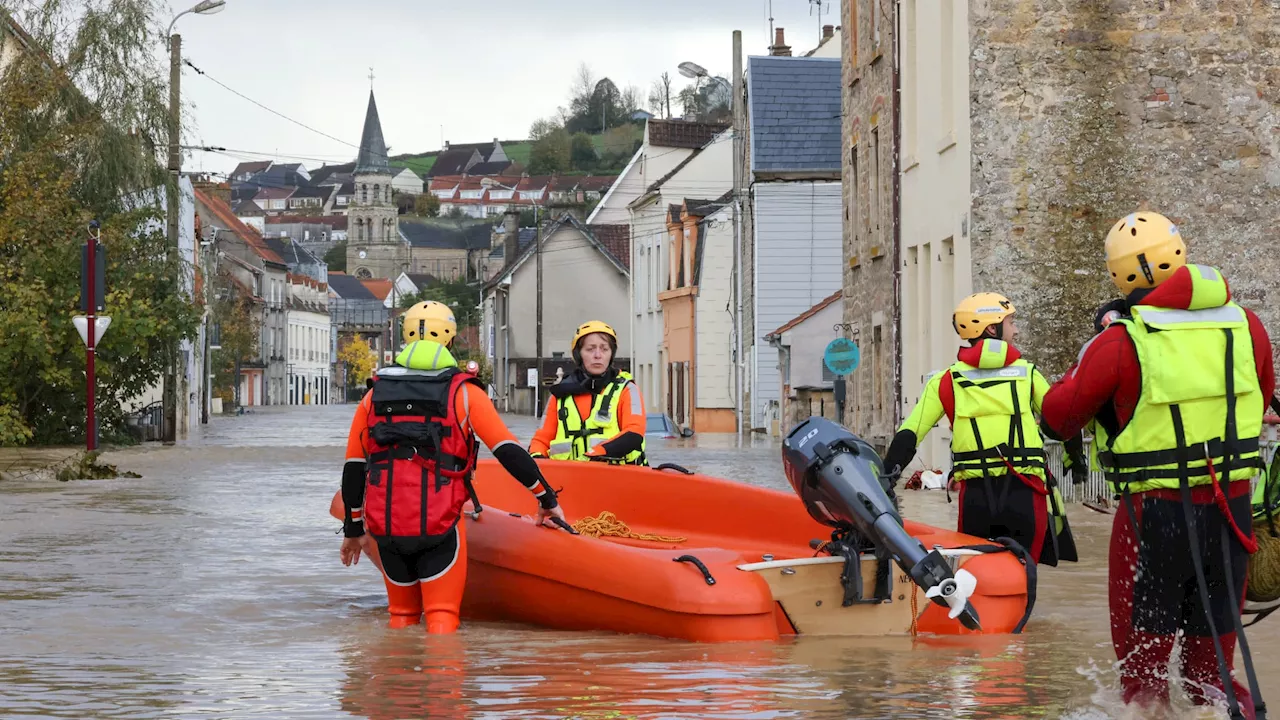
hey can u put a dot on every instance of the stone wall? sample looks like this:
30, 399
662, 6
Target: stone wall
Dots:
1084, 111
869, 304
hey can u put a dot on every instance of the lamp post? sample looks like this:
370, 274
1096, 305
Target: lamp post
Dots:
205, 7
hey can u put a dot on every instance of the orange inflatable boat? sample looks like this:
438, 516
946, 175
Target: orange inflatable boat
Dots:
729, 562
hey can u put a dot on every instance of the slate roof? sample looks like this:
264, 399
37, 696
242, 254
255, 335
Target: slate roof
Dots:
332, 174
373, 147
348, 287
292, 253
688, 134
421, 280
250, 168
489, 168
445, 237
336, 222
794, 111
454, 162
321, 191
523, 240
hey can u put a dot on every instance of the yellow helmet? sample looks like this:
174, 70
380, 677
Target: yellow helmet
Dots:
429, 320
979, 311
585, 329
1143, 250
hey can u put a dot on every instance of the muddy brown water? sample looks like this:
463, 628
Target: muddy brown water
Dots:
211, 587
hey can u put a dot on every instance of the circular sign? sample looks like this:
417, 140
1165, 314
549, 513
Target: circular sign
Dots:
841, 356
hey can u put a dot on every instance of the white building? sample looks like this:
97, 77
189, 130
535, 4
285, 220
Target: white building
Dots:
407, 181
702, 176
667, 144
937, 270
310, 352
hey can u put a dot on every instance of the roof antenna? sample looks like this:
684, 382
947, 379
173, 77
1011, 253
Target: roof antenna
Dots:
819, 4
770, 22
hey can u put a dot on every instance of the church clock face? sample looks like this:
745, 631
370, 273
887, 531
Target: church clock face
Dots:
362, 254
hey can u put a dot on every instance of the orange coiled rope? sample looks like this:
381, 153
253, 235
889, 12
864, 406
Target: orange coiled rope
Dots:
608, 524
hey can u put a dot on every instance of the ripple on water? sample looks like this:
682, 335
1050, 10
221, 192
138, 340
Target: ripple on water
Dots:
210, 587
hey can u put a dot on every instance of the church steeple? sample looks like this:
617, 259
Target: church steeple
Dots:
373, 148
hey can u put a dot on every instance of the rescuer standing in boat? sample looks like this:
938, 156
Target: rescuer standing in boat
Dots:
1176, 388
989, 396
595, 412
410, 456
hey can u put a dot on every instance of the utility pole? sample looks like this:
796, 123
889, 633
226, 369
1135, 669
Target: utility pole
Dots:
537, 251
738, 162
169, 398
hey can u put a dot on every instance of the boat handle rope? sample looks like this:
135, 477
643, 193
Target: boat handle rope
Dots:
706, 574
673, 466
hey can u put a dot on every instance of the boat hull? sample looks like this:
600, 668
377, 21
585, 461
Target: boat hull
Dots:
753, 542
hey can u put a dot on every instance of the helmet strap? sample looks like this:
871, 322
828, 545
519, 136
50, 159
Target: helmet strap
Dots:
1146, 269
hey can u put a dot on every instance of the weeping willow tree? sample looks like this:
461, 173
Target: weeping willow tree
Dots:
82, 120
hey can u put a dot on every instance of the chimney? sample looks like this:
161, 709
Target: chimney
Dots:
779, 45
511, 235
828, 31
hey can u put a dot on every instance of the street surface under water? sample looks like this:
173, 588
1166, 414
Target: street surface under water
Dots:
211, 587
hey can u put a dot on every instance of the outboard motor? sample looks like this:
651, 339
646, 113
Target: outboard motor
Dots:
841, 481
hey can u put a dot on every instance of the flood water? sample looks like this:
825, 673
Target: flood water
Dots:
211, 587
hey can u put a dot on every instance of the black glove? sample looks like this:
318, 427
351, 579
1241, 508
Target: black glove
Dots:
1078, 467
1100, 319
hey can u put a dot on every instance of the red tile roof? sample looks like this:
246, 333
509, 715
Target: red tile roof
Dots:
617, 239
808, 313
380, 288
247, 234
683, 133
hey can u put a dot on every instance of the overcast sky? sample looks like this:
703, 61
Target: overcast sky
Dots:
478, 69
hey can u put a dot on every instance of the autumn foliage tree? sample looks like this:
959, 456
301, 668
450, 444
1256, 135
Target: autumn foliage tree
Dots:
356, 354
81, 117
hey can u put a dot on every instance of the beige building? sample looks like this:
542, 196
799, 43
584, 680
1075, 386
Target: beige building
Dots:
936, 157
1028, 129
584, 277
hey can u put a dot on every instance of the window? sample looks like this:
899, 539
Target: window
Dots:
946, 70
827, 375
875, 26
364, 193
877, 366
853, 31
856, 210
875, 184
377, 193
909, 80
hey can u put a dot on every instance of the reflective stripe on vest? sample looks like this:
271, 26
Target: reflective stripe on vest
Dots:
575, 438
1197, 372
994, 426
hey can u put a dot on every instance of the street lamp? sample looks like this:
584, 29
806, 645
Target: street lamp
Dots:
693, 71
204, 7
